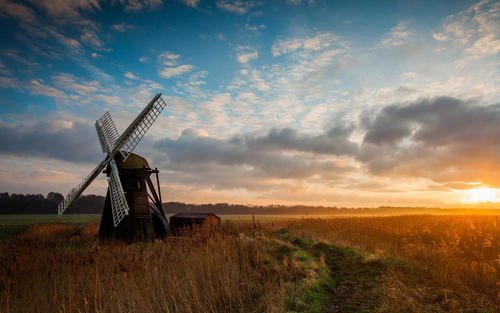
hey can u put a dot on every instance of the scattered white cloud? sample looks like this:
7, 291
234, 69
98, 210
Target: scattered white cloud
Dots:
236, 6
144, 59
17, 11
315, 43
70, 8
9, 82
255, 80
92, 40
19, 58
246, 57
246, 53
139, 5
122, 27
130, 75
171, 65
439, 36
191, 3
397, 36
168, 56
215, 111
37, 86
256, 29
169, 72
475, 28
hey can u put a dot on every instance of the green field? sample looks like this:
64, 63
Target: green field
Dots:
13, 224
34, 219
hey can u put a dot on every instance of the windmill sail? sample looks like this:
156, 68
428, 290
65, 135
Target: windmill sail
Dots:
77, 191
107, 132
118, 201
108, 135
134, 133
112, 144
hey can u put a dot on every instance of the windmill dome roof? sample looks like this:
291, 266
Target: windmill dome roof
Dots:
133, 161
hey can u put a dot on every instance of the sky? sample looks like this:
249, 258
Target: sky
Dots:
340, 103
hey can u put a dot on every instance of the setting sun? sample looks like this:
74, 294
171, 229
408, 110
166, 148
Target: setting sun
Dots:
482, 194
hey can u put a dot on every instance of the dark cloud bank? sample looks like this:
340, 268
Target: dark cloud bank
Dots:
447, 140
74, 144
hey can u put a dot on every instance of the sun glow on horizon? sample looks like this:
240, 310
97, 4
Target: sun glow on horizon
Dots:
481, 194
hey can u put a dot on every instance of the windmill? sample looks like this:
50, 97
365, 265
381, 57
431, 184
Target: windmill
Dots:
127, 212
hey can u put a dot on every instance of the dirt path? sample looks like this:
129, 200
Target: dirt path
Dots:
355, 283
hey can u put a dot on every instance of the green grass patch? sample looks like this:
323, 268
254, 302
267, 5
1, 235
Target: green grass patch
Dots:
34, 219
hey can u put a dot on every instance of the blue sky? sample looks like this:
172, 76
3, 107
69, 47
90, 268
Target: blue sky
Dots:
317, 102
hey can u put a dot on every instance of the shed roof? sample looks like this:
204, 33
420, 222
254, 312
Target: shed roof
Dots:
193, 215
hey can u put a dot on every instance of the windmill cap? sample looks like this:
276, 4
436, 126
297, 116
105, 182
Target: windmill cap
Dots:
133, 161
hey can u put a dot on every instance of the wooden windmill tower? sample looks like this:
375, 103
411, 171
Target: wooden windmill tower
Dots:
128, 214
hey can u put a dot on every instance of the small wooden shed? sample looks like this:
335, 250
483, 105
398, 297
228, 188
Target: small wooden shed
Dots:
180, 221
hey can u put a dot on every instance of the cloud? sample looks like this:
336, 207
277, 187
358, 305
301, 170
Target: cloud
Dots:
236, 6
444, 139
246, 57
203, 154
168, 56
397, 36
92, 40
69, 84
334, 141
246, 54
256, 29
475, 28
214, 110
255, 80
17, 11
26, 61
169, 72
122, 27
130, 75
59, 139
139, 5
37, 86
68, 8
315, 43
9, 82
51, 24
191, 3
171, 67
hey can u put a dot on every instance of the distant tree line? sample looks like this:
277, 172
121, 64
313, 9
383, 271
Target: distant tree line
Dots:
40, 204
86, 204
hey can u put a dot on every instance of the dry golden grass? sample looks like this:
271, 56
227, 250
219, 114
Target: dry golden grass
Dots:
436, 263
58, 268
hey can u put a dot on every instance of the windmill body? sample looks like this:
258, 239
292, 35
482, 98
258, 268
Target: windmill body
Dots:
145, 219
127, 212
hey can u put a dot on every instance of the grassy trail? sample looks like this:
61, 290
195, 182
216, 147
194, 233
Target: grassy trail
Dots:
353, 282
356, 282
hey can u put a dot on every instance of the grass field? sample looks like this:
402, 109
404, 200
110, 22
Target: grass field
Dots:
12, 224
370, 264
31, 219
